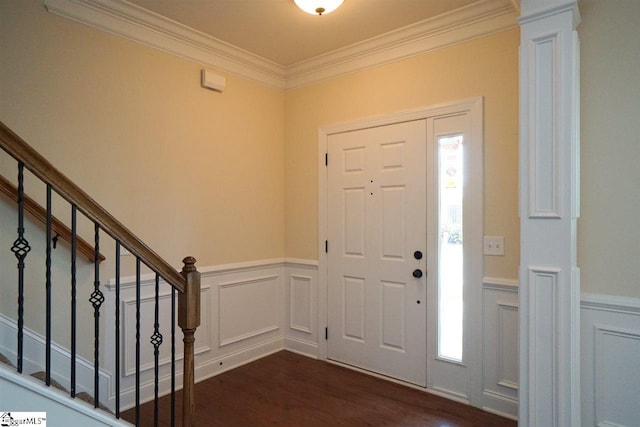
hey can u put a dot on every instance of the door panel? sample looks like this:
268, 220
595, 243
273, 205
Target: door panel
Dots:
354, 216
376, 220
393, 319
353, 288
393, 222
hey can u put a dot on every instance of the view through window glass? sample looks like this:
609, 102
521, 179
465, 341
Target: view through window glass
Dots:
450, 231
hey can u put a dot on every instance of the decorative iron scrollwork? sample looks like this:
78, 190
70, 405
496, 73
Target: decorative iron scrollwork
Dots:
156, 339
96, 299
21, 246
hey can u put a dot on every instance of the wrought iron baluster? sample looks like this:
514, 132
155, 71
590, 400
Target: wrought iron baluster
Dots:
156, 341
48, 292
117, 349
20, 248
173, 357
73, 299
137, 341
97, 298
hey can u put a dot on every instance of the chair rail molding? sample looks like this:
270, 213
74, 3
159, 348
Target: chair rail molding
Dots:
549, 308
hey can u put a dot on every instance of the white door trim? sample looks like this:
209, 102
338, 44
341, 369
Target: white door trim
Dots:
445, 376
472, 105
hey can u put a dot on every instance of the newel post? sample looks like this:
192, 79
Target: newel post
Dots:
189, 320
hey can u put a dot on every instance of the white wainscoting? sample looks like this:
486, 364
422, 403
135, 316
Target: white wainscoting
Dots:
610, 347
500, 346
249, 310
610, 355
301, 313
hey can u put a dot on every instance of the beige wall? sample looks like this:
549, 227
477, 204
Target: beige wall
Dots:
486, 67
608, 230
215, 175
190, 171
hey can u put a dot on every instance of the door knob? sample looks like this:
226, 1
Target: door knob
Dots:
417, 273
417, 255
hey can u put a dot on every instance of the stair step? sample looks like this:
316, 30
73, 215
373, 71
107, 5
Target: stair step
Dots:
89, 399
84, 396
6, 361
41, 375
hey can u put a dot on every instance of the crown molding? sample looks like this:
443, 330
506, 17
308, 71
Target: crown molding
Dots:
135, 23
476, 20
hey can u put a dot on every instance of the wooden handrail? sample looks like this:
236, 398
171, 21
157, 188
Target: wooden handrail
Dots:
40, 214
17, 148
187, 282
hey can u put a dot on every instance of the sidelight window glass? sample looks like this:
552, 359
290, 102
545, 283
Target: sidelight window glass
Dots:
451, 237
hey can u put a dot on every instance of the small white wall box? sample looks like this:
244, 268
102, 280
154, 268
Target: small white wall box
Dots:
212, 81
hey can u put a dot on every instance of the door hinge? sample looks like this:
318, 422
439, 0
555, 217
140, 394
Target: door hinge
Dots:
326, 333
326, 246
326, 159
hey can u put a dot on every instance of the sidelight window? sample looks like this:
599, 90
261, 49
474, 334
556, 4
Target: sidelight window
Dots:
450, 243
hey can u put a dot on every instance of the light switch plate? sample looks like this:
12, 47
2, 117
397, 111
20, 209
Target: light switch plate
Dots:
494, 245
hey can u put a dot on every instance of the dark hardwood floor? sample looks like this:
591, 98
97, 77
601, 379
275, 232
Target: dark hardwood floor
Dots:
286, 389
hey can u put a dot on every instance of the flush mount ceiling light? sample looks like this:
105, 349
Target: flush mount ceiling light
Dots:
318, 7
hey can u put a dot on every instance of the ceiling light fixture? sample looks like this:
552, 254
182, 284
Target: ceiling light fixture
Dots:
318, 7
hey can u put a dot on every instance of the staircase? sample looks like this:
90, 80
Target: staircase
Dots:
107, 232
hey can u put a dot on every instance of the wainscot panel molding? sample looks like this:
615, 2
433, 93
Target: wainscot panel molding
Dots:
248, 311
150, 29
610, 344
128, 325
500, 346
248, 308
610, 339
302, 332
610, 363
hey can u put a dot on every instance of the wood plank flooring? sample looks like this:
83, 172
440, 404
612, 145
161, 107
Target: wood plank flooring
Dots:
286, 389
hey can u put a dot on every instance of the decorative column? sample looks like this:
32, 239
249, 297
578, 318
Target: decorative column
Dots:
549, 393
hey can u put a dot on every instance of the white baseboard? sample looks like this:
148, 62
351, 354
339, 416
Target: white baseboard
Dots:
231, 361
302, 347
203, 371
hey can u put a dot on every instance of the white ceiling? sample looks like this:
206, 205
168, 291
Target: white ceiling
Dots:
280, 32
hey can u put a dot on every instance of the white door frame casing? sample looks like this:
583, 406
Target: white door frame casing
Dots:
462, 381
549, 207
474, 107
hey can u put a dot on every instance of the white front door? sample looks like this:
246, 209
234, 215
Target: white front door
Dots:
377, 236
